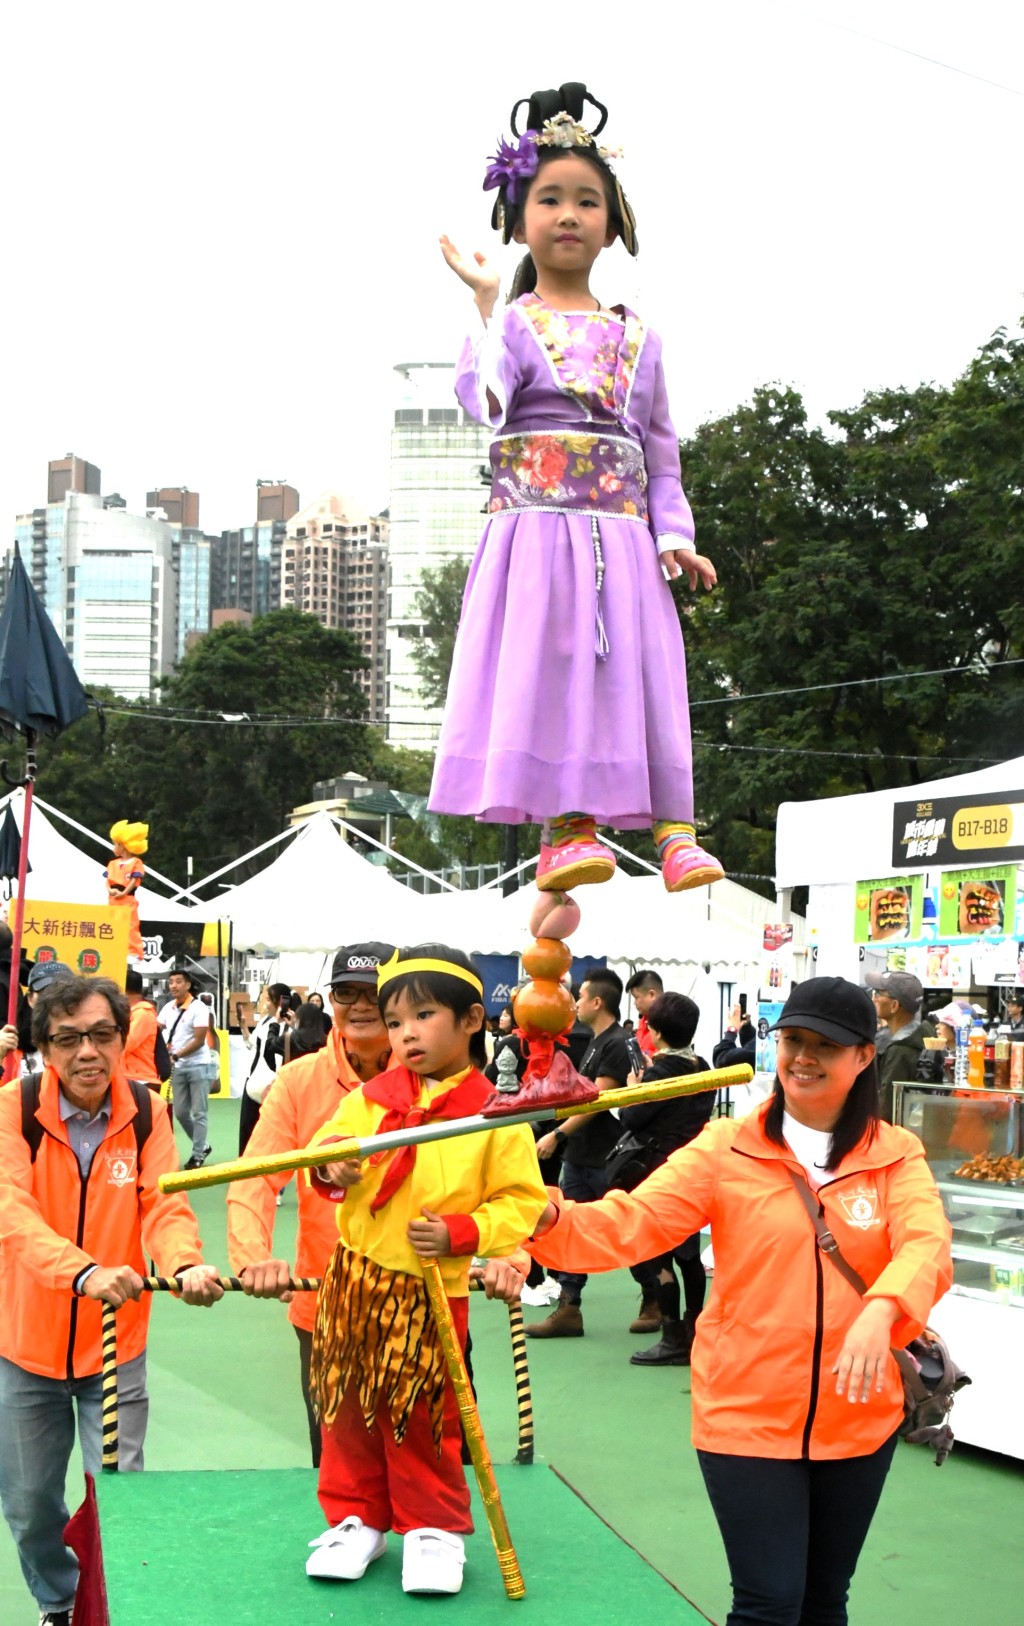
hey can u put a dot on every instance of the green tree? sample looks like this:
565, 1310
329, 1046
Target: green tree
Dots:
439, 604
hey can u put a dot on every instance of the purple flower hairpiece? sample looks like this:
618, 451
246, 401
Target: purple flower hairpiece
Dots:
511, 165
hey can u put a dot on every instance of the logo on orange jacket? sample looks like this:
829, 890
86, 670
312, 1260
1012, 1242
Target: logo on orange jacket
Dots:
120, 1168
861, 1207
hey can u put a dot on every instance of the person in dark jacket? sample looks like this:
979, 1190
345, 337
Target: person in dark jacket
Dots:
672, 1021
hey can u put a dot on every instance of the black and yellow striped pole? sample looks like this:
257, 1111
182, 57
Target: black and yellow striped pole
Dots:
298, 1284
524, 1399
108, 1325
508, 1563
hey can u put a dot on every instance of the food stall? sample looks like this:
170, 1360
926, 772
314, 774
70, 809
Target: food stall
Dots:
928, 879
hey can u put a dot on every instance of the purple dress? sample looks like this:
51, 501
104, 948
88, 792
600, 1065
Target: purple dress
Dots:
568, 686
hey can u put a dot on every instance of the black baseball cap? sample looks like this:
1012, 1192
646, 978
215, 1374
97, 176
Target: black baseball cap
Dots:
46, 972
837, 1009
359, 961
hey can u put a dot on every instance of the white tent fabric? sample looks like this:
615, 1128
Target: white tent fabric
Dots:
316, 894
61, 873
849, 838
628, 918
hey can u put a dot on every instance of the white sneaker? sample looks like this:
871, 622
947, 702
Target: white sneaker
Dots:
551, 1289
432, 1561
534, 1295
345, 1552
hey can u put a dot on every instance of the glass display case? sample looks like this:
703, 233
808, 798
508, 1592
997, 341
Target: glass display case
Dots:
974, 1143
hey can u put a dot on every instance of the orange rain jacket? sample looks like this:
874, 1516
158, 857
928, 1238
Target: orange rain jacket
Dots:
140, 1046
304, 1096
779, 1310
53, 1224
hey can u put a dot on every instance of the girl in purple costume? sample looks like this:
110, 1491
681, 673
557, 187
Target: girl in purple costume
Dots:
568, 687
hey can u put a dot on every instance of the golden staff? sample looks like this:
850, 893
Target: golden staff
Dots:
253, 1168
508, 1563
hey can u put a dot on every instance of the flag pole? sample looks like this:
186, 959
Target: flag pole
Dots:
18, 924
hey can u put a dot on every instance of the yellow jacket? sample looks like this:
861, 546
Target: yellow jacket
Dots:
486, 1186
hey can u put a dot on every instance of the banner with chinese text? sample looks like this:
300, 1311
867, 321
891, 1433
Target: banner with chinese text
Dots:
987, 826
89, 938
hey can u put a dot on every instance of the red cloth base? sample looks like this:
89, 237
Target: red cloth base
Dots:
397, 1487
82, 1534
560, 1085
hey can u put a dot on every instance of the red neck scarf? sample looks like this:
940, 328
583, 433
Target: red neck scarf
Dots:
399, 1091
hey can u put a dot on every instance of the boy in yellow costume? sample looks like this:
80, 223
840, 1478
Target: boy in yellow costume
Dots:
391, 1438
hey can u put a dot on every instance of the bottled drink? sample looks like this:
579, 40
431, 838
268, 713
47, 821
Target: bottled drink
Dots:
1017, 1064
1001, 1060
990, 1056
976, 1057
960, 1070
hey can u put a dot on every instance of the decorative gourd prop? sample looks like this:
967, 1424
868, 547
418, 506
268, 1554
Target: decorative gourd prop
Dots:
544, 1013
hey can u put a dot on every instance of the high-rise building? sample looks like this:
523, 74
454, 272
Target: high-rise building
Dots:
192, 557
437, 505
335, 564
106, 579
247, 563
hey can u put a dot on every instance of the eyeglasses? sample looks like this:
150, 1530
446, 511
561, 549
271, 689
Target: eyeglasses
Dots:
70, 1039
350, 993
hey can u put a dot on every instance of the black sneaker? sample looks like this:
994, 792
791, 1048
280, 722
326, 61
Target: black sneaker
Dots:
194, 1163
56, 1617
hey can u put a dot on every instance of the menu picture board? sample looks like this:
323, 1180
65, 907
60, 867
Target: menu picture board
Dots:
978, 902
888, 910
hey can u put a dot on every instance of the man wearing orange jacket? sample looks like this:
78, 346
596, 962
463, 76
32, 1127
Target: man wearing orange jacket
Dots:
140, 1046
79, 1209
304, 1096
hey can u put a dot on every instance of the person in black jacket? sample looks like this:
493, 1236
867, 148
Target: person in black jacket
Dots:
672, 1021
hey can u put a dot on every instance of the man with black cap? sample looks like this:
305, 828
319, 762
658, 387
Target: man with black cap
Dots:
184, 1020
897, 996
303, 1096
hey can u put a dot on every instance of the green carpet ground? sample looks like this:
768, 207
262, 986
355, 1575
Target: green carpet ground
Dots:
944, 1548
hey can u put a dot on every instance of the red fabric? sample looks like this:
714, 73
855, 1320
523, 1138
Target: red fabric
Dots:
82, 1534
397, 1487
463, 1233
644, 1038
399, 1092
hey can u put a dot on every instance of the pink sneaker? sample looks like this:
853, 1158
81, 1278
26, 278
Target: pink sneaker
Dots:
574, 863
686, 865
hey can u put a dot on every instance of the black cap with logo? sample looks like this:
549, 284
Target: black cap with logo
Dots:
359, 961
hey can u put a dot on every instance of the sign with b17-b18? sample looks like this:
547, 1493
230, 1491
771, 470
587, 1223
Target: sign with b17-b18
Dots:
985, 828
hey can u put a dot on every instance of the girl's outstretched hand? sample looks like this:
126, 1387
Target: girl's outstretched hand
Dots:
683, 561
477, 273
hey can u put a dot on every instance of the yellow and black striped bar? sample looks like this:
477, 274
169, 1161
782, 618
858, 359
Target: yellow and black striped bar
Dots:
524, 1398
108, 1459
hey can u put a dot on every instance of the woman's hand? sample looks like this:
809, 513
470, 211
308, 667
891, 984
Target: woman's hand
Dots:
8, 1040
864, 1358
199, 1285
477, 273
429, 1236
683, 561
503, 1278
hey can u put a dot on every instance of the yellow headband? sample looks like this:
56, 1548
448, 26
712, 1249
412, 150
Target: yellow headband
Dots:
399, 968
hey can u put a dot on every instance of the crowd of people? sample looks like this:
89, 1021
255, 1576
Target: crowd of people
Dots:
85, 1134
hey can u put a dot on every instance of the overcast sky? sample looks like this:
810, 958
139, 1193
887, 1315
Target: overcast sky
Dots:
221, 218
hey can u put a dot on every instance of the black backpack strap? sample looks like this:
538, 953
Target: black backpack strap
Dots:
142, 1123
31, 1128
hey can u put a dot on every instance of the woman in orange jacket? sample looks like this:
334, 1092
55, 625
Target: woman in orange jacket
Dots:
796, 1397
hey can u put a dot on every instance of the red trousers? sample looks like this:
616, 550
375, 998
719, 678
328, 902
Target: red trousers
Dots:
364, 1473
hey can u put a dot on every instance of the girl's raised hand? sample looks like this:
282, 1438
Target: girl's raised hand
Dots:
477, 273
683, 561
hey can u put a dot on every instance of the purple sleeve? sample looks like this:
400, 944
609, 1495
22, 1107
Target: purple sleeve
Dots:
487, 373
671, 519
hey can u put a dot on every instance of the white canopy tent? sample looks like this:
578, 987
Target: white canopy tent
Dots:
831, 844
316, 894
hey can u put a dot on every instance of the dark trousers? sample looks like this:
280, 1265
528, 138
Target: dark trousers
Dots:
793, 1531
584, 1185
248, 1117
305, 1355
